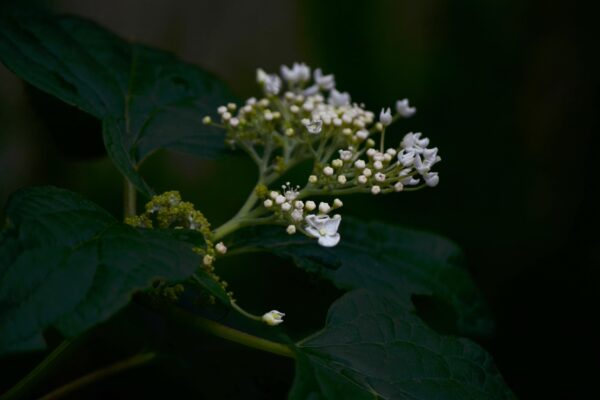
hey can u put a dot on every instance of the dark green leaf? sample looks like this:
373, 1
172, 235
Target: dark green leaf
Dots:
372, 348
70, 265
146, 98
391, 260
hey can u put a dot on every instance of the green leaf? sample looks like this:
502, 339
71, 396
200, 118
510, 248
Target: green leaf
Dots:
390, 260
146, 98
70, 265
372, 348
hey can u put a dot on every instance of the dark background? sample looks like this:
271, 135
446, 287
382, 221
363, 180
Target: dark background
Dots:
508, 90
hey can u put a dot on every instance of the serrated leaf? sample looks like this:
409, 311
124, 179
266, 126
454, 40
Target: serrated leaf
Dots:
373, 348
70, 265
146, 98
391, 260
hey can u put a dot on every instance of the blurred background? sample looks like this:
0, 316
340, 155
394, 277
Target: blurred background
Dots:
508, 90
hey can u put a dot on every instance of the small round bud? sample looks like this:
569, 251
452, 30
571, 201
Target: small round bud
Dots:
234, 122
310, 205
273, 194
387, 157
226, 116
392, 152
398, 187
289, 132
367, 172
370, 143
337, 203
379, 126
206, 120
268, 203
297, 215
268, 115
291, 229
347, 131
299, 204
375, 189
286, 206
345, 155
379, 177
295, 109
378, 164
341, 179
222, 110
231, 106
371, 152
312, 179
221, 248
362, 179
324, 207
362, 134
208, 260
247, 109
337, 163
328, 171
360, 164
337, 122
280, 199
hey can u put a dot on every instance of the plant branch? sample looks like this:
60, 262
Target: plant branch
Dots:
99, 374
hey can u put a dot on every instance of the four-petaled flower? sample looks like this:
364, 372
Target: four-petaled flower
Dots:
324, 228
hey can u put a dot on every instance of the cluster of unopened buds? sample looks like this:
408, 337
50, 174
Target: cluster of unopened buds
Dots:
300, 118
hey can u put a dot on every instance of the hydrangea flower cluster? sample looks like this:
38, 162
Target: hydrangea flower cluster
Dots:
302, 115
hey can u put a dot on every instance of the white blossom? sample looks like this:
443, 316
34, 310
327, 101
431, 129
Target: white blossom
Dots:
297, 215
268, 203
270, 82
299, 73
325, 82
291, 229
338, 99
385, 116
273, 317
404, 109
324, 228
324, 207
221, 248
315, 126
328, 171
375, 189
310, 205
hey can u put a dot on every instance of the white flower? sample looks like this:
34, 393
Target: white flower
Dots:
286, 206
360, 164
375, 189
291, 229
345, 155
341, 180
310, 205
324, 228
325, 82
378, 165
338, 99
385, 116
328, 171
431, 179
234, 122
362, 179
222, 110
324, 207
207, 260
299, 72
273, 317
367, 172
221, 248
313, 126
398, 187
299, 205
312, 179
297, 215
280, 199
268, 203
379, 177
337, 163
206, 120
337, 203
404, 109
271, 83
362, 134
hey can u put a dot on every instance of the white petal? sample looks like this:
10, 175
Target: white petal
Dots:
331, 226
312, 231
329, 240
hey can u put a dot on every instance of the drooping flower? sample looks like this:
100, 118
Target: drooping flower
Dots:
273, 317
404, 109
324, 228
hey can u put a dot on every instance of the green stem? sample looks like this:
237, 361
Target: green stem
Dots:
129, 199
39, 373
99, 374
222, 331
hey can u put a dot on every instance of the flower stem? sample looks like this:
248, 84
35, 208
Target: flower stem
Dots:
223, 331
129, 199
99, 374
